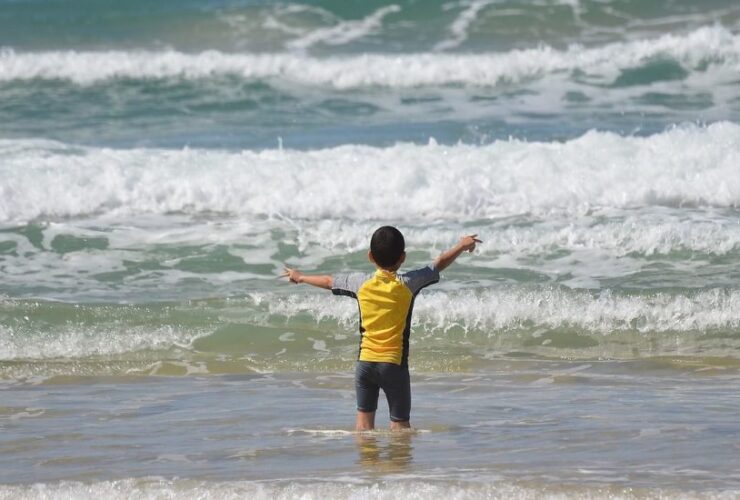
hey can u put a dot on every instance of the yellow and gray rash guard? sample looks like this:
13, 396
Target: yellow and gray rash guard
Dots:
386, 300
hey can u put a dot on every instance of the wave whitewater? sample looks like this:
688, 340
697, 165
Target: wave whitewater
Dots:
495, 311
683, 167
410, 487
695, 51
267, 323
635, 235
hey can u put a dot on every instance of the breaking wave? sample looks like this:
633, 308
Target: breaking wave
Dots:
682, 167
694, 51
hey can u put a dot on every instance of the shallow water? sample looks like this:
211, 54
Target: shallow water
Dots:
537, 425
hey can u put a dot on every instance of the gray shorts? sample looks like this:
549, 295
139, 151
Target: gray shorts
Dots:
370, 377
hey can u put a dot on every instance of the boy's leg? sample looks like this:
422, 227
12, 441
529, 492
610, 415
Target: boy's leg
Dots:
397, 426
367, 390
365, 421
396, 384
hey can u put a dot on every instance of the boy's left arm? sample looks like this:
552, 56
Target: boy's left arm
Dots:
317, 280
466, 244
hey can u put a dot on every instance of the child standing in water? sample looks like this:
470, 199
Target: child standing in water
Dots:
386, 300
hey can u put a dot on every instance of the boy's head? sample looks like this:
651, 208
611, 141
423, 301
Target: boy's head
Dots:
387, 248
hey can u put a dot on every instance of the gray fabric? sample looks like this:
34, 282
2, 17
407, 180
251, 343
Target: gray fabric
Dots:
348, 283
419, 278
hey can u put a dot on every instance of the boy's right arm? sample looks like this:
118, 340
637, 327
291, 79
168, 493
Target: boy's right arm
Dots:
466, 243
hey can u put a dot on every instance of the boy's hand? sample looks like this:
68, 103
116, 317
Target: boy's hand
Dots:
292, 274
297, 277
468, 242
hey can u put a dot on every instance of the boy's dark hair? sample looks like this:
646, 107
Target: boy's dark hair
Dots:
387, 245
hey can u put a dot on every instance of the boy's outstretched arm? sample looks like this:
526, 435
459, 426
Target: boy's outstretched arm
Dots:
297, 277
466, 243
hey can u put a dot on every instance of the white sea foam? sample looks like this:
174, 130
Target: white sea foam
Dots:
355, 489
687, 167
583, 251
460, 26
499, 312
646, 235
84, 341
344, 31
244, 24
709, 45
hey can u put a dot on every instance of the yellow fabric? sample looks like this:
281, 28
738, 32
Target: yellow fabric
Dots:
384, 305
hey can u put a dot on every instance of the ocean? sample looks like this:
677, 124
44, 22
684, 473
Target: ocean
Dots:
161, 162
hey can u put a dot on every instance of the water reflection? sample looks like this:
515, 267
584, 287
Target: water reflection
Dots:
384, 453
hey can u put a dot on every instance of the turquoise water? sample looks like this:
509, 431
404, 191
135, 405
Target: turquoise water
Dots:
159, 164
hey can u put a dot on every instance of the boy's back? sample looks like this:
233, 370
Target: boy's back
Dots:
386, 302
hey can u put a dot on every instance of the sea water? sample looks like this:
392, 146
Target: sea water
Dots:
161, 163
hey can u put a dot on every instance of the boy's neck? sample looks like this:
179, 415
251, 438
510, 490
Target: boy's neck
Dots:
392, 270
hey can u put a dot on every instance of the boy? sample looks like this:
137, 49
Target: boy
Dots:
386, 300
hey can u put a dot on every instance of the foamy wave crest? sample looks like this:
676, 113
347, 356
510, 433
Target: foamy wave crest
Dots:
344, 31
688, 167
260, 325
642, 235
84, 341
708, 45
310, 489
507, 309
